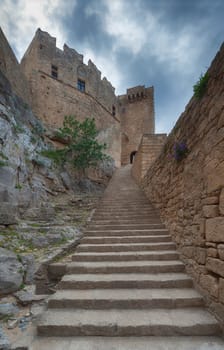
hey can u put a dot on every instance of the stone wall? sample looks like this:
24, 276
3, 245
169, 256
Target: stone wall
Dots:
67, 66
54, 97
190, 193
136, 110
10, 67
57, 83
149, 149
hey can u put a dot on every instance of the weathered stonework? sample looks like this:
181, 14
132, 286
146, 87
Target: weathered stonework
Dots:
54, 77
214, 229
137, 118
221, 202
148, 150
190, 193
57, 83
42, 55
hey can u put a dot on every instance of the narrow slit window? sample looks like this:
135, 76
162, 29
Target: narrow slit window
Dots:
113, 110
54, 71
81, 85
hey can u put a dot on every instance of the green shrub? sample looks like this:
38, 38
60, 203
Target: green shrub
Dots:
39, 129
19, 129
38, 162
3, 163
58, 156
82, 149
33, 139
3, 156
201, 86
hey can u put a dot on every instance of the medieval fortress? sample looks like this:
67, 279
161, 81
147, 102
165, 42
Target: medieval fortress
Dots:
56, 83
189, 194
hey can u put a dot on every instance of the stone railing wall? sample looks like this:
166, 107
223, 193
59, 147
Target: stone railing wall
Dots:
148, 150
190, 192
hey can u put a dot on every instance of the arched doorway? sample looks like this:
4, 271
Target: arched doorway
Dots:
132, 156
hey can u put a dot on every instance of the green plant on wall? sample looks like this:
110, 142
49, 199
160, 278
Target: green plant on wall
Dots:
18, 129
3, 159
3, 163
82, 149
201, 86
180, 151
18, 186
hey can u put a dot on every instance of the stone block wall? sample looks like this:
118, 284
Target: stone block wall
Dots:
68, 65
190, 193
149, 149
55, 97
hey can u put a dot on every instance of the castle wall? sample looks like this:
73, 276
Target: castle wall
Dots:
11, 69
137, 117
190, 192
57, 83
149, 149
53, 75
43, 56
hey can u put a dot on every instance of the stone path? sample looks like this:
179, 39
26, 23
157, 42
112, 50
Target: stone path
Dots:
126, 288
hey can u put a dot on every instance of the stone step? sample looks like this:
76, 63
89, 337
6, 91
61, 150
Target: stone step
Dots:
126, 211
158, 322
134, 200
125, 222
126, 226
127, 199
126, 239
131, 280
125, 267
126, 207
126, 256
126, 299
122, 216
123, 203
128, 232
125, 247
129, 343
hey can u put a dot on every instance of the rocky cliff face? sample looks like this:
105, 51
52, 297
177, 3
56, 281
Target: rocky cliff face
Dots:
26, 177
23, 172
33, 217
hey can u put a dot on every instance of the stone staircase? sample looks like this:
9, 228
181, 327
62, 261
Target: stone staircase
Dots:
125, 287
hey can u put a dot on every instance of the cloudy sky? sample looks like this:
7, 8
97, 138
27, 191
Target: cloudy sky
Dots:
164, 43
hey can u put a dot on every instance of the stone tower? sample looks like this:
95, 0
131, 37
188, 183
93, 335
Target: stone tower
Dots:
136, 109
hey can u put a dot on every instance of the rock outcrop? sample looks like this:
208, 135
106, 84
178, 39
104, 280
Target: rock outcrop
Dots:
31, 186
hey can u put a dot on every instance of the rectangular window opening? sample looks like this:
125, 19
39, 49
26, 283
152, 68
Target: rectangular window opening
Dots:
54, 71
81, 85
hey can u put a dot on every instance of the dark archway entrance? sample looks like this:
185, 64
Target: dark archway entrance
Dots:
132, 156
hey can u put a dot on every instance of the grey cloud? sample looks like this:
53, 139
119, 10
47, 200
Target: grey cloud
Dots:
165, 43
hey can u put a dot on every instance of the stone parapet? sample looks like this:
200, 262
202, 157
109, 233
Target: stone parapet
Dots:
149, 149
